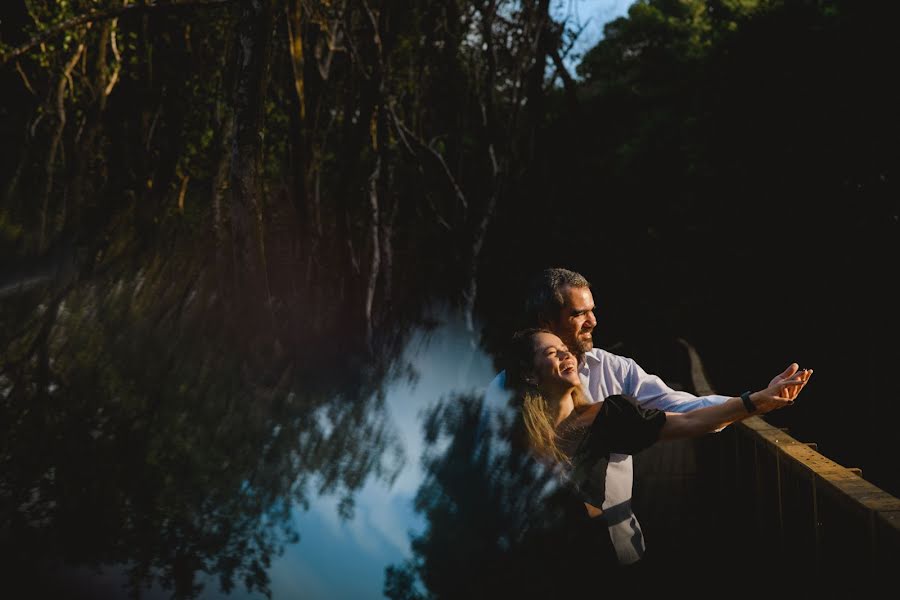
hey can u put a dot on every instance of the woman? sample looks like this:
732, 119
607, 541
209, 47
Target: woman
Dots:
564, 428
557, 414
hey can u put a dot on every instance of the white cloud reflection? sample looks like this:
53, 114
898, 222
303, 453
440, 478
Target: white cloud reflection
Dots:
346, 558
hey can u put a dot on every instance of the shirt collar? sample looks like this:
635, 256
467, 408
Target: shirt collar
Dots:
590, 356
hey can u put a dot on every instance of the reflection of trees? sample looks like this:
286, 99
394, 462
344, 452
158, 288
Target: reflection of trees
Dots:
143, 423
497, 524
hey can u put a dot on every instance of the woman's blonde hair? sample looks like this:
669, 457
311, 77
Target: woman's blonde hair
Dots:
537, 415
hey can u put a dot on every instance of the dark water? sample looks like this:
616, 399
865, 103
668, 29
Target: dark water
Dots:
149, 452
334, 523
154, 446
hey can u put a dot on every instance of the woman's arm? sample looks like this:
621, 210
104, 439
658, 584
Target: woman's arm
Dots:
779, 394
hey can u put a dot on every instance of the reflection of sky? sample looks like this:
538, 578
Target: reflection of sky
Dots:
339, 559
346, 559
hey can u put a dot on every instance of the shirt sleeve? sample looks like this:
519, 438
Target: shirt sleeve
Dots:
651, 392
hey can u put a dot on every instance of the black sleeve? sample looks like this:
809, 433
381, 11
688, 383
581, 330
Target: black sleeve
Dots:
621, 426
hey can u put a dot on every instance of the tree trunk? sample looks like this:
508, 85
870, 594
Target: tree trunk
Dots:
255, 26
82, 177
49, 167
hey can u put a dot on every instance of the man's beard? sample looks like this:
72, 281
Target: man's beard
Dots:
584, 344
581, 347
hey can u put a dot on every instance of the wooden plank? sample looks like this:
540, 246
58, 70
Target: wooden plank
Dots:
833, 475
888, 522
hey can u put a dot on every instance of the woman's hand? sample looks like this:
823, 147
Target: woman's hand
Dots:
782, 390
794, 391
792, 371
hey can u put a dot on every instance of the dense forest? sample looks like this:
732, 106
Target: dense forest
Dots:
221, 219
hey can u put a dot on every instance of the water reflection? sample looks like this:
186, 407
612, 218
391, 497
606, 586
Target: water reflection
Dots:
347, 559
497, 523
150, 427
162, 439
157, 443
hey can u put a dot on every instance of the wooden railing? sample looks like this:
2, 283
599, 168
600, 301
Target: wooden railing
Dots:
824, 516
755, 497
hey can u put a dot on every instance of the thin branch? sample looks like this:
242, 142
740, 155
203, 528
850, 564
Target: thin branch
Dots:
573, 38
568, 82
115, 76
35, 123
375, 262
334, 33
25, 79
295, 44
400, 128
102, 15
357, 58
403, 129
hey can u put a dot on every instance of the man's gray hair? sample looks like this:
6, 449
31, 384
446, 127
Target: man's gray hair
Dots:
544, 297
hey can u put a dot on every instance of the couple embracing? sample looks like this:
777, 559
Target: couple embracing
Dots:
586, 411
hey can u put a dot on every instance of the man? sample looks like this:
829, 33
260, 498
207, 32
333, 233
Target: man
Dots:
561, 301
